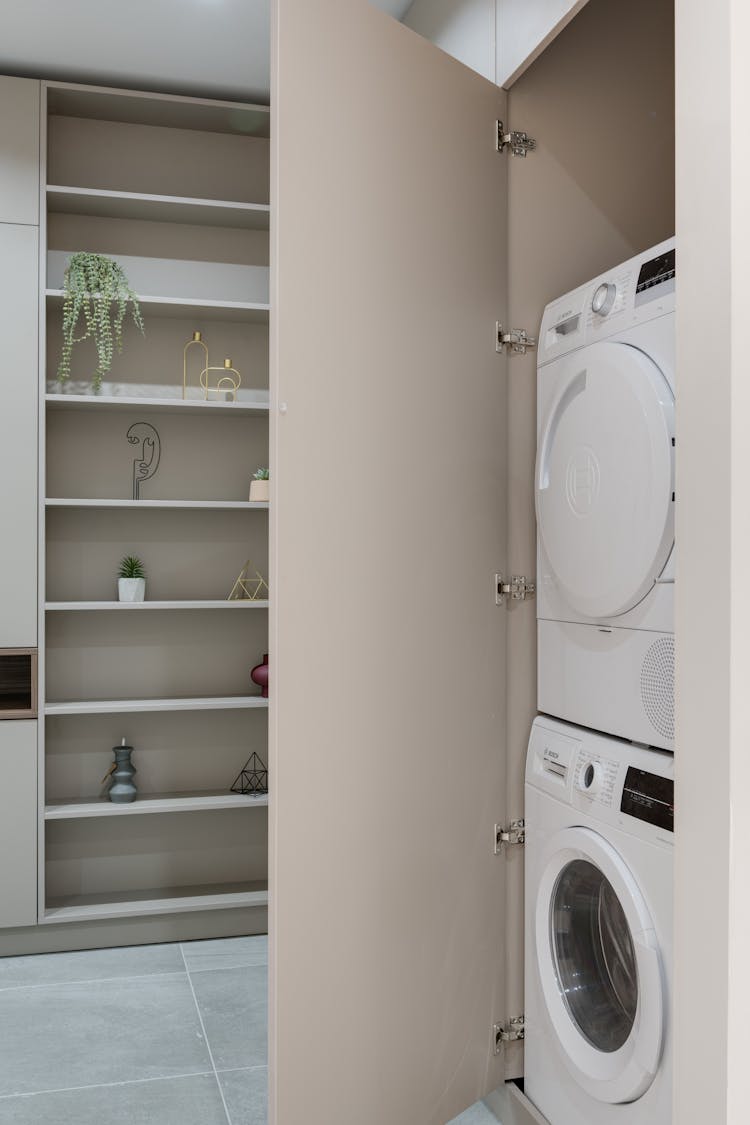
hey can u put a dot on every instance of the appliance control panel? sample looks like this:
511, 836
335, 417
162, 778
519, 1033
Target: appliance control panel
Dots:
636, 291
604, 778
596, 776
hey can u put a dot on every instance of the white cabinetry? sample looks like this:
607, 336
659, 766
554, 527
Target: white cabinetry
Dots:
19, 151
19, 302
18, 822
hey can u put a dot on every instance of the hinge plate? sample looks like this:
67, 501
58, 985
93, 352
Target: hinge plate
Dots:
511, 1032
507, 837
518, 588
516, 340
519, 143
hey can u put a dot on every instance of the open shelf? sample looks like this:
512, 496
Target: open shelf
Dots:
153, 803
173, 111
168, 900
157, 405
123, 706
84, 607
250, 312
218, 505
157, 208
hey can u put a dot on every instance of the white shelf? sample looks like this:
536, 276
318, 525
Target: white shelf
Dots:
125, 706
250, 312
219, 505
173, 111
160, 405
169, 900
153, 803
157, 208
81, 607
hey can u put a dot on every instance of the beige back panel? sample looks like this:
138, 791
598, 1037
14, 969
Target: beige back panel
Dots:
388, 652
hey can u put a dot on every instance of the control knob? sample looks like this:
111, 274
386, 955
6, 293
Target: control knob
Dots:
591, 778
604, 298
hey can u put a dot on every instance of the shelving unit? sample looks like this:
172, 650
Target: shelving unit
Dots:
164, 900
171, 672
136, 607
153, 803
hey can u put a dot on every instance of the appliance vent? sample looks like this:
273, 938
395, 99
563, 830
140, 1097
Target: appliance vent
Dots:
657, 686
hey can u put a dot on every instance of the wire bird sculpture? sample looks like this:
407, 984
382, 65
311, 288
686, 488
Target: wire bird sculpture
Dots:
145, 465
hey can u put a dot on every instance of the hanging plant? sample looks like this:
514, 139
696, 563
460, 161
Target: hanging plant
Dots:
96, 292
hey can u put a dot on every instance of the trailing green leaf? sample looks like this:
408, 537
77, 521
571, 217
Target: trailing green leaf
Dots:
96, 290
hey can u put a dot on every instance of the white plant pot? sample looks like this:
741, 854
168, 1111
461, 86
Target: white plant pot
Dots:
259, 490
131, 589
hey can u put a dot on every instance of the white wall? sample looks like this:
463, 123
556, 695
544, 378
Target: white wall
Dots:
497, 38
462, 28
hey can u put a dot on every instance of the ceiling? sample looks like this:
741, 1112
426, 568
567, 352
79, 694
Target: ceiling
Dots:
209, 48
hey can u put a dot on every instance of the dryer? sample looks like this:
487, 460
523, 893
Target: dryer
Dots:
598, 977
605, 499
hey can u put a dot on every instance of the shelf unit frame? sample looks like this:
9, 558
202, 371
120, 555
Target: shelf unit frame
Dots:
178, 112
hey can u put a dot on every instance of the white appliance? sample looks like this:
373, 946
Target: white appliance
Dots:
599, 861
605, 502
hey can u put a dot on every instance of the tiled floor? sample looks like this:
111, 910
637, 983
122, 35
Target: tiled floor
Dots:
152, 1035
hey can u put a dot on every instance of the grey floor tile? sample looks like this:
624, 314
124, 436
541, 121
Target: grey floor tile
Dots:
246, 1095
234, 1007
173, 1101
68, 1035
477, 1115
226, 953
95, 964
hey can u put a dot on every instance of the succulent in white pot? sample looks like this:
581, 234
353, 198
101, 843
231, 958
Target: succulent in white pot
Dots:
131, 581
259, 486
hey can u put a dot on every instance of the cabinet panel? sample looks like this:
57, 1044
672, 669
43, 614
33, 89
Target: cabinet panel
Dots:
19, 150
18, 823
19, 364
387, 648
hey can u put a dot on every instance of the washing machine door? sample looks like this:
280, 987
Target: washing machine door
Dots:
600, 967
605, 478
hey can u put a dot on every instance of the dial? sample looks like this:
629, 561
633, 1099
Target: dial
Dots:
604, 298
590, 778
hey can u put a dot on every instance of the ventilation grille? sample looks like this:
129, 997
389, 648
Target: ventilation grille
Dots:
657, 686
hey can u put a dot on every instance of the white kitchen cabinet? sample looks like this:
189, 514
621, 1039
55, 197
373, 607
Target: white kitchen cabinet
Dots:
19, 150
18, 822
19, 343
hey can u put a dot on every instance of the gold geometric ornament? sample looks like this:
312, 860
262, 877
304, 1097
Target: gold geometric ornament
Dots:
249, 586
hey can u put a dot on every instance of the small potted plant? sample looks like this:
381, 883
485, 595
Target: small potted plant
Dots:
259, 486
131, 581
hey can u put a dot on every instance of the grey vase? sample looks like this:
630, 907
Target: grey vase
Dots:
122, 790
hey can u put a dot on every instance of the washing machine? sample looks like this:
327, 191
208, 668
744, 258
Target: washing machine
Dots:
605, 501
599, 873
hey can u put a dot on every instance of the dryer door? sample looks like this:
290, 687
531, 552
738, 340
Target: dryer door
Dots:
600, 967
605, 478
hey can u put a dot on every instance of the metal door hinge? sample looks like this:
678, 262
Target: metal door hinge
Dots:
511, 1032
507, 837
516, 340
518, 143
518, 588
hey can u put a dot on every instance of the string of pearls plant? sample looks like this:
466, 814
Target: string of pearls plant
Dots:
95, 290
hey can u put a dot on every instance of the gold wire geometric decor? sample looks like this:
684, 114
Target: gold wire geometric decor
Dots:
250, 585
196, 341
229, 381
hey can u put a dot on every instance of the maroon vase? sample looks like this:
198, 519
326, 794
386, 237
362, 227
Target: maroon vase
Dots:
259, 676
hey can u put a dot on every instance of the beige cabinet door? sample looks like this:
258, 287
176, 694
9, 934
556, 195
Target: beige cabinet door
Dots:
19, 150
19, 396
18, 823
388, 525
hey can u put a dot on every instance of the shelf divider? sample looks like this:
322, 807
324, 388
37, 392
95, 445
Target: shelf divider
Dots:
138, 706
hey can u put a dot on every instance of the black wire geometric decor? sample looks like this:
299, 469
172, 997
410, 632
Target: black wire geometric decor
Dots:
253, 777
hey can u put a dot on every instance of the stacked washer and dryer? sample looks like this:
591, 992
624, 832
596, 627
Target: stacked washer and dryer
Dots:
599, 777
